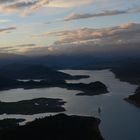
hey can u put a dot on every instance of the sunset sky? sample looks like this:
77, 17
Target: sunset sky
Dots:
38, 27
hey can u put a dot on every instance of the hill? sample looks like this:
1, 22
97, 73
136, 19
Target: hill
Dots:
27, 71
8, 58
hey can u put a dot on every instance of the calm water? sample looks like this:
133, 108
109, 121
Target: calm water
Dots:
120, 120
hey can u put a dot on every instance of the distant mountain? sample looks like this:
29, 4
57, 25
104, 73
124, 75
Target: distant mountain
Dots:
53, 61
27, 71
9, 55
7, 82
7, 58
22, 71
65, 61
58, 61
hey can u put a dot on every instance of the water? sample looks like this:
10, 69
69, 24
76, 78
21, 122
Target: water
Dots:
120, 120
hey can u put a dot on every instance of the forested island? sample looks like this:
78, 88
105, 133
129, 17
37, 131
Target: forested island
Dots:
47, 78
34, 106
58, 127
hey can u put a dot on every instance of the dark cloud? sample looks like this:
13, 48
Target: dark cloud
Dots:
7, 1
88, 15
7, 29
25, 45
75, 16
18, 5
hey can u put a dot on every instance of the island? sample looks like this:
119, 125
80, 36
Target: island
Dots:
93, 88
58, 127
34, 106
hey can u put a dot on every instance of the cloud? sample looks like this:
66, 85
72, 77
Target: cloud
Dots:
2, 49
105, 13
68, 3
90, 40
25, 45
6, 1
75, 16
7, 30
25, 6
17, 48
36, 6
4, 20
124, 32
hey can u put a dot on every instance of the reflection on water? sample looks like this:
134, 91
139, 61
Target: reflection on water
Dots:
120, 120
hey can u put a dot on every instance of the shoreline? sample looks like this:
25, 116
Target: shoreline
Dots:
133, 99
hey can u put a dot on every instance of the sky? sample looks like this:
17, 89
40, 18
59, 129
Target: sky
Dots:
42, 27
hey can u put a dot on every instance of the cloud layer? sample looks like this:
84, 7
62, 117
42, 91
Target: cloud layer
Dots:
27, 7
89, 40
124, 33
